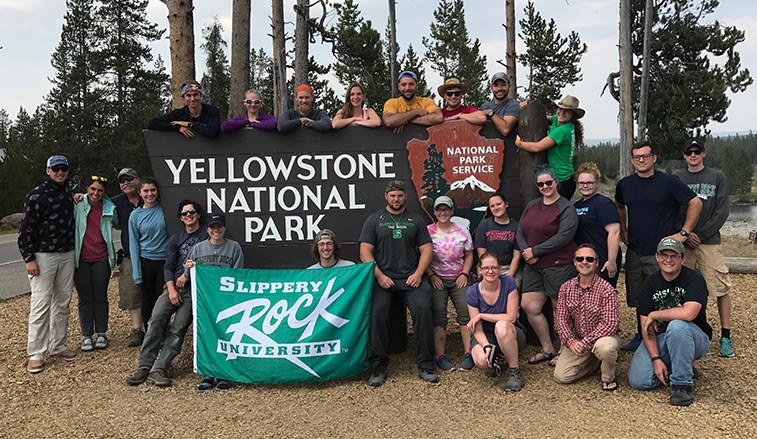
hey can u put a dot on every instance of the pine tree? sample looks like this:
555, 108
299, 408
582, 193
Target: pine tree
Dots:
411, 61
452, 53
5, 124
551, 60
261, 77
22, 167
434, 183
216, 80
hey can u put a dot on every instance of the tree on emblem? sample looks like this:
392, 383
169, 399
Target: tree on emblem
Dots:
434, 183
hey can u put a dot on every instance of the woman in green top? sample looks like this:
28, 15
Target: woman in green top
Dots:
565, 133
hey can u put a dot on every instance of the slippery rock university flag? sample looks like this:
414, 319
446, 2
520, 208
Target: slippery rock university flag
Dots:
281, 326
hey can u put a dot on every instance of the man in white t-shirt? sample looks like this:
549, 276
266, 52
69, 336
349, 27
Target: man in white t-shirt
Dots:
326, 250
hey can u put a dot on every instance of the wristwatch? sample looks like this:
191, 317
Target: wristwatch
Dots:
489, 115
684, 232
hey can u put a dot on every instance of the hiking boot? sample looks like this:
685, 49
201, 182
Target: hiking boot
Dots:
632, 345
378, 378
137, 337
428, 376
138, 377
65, 355
467, 363
86, 344
513, 380
682, 395
726, 348
35, 366
444, 364
158, 378
101, 342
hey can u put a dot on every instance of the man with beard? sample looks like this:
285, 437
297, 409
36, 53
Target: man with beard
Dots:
502, 111
409, 108
193, 118
304, 115
398, 242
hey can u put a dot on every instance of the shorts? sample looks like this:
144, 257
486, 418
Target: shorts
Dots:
129, 294
520, 335
547, 279
439, 303
708, 260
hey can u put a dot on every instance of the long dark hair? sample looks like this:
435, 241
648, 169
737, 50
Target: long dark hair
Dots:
347, 109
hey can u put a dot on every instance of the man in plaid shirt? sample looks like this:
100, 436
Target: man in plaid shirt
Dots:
587, 322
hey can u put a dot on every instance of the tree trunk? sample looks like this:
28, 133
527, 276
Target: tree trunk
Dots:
279, 58
644, 94
532, 127
182, 37
240, 55
301, 42
626, 88
393, 47
510, 48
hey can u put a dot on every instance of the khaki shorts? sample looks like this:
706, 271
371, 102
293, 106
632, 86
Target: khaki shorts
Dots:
707, 259
129, 294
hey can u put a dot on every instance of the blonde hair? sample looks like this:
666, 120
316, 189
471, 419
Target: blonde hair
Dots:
588, 168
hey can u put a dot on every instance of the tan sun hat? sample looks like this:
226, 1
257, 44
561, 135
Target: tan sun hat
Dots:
452, 83
571, 103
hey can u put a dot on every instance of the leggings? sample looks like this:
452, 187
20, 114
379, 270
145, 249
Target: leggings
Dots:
152, 286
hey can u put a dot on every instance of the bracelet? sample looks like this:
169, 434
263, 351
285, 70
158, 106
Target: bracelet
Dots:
463, 274
655, 358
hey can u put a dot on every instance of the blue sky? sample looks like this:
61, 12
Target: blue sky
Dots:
30, 30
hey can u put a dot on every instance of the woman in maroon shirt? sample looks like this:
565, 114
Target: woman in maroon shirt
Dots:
546, 238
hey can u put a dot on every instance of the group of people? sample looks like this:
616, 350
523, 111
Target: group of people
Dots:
567, 253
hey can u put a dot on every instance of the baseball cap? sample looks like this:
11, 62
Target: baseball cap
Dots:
216, 218
447, 201
500, 76
670, 244
57, 160
325, 234
396, 185
127, 171
692, 143
407, 74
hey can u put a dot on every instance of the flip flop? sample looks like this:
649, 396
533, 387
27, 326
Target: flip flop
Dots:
206, 383
610, 387
541, 357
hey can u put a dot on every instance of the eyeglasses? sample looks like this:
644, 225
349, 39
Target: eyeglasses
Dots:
638, 157
669, 256
188, 212
252, 101
493, 268
125, 178
454, 93
59, 168
692, 151
542, 183
98, 178
589, 259
587, 183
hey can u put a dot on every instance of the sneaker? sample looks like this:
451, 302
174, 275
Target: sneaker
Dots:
35, 366
444, 364
137, 337
138, 377
726, 348
86, 344
682, 395
158, 378
377, 379
632, 345
65, 355
492, 372
428, 376
101, 342
513, 380
467, 363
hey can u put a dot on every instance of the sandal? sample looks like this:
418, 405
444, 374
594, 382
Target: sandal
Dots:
541, 357
206, 383
610, 387
222, 385
553, 361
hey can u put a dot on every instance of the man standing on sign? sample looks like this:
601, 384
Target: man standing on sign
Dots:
504, 112
399, 243
193, 118
304, 115
409, 108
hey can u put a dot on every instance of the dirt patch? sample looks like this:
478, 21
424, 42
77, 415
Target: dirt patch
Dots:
89, 398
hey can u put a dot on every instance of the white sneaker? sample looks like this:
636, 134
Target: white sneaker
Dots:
101, 342
86, 344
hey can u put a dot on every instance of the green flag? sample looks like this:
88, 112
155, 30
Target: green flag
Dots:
281, 326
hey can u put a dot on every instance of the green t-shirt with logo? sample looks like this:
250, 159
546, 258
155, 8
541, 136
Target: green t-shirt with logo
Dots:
560, 156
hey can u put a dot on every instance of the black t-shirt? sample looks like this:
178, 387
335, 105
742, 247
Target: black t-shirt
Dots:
396, 238
497, 238
657, 294
124, 208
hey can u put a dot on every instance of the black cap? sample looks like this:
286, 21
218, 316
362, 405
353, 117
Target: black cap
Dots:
693, 143
216, 218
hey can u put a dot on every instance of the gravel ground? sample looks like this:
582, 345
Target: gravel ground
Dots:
89, 398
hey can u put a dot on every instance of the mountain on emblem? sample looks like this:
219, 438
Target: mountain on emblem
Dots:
456, 161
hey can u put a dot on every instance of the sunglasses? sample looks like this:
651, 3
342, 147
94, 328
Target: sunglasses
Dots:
98, 178
59, 168
692, 151
542, 183
188, 212
125, 178
589, 259
252, 101
454, 93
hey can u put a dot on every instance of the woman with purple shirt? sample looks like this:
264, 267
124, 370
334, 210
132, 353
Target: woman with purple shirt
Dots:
253, 102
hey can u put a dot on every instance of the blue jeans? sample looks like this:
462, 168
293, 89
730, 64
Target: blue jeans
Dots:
681, 344
166, 342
